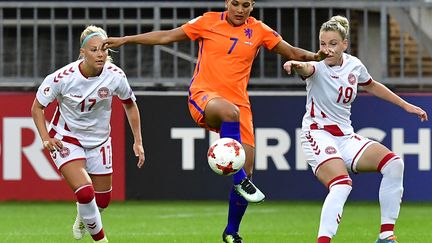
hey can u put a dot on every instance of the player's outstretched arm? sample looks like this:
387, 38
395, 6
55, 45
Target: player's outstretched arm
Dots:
303, 68
384, 93
161, 37
294, 53
134, 119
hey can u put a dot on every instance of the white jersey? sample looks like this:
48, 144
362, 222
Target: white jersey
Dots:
330, 92
84, 104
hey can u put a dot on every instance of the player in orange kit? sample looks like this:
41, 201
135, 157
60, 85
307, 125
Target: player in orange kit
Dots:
218, 98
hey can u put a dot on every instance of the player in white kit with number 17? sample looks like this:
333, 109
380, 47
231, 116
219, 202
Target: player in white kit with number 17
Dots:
332, 148
78, 136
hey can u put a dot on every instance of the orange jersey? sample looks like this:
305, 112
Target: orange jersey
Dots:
226, 54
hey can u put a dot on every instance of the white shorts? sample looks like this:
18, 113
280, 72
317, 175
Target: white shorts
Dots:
98, 160
320, 146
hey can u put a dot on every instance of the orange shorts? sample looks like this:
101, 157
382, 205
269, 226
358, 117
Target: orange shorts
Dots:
197, 103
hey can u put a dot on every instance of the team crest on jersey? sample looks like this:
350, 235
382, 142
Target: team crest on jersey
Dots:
47, 91
352, 79
248, 32
64, 152
330, 150
103, 92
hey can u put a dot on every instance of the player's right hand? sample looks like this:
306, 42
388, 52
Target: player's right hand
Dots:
291, 66
52, 144
113, 42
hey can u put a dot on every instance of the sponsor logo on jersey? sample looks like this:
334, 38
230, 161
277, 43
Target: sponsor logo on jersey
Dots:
275, 33
76, 95
103, 92
248, 43
351, 79
330, 150
53, 155
47, 91
64, 152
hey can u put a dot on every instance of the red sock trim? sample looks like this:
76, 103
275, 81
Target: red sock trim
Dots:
386, 159
85, 194
103, 198
343, 179
387, 227
99, 236
323, 239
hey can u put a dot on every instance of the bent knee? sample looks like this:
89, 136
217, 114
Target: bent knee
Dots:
223, 110
103, 198
394, 167
231, 114
85, 194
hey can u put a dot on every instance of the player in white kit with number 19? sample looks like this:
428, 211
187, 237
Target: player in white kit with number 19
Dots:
332, 148
78, 136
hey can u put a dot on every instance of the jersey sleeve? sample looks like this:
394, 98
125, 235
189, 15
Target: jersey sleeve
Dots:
124, 91
270, 37
313, 72
364, 77
48, 90
194, 27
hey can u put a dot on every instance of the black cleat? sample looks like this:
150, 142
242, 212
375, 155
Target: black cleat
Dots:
249, 191
234, 238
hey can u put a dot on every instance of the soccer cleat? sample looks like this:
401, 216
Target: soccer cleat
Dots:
390, 239
234, 238
249, 191
78, 229
103, 240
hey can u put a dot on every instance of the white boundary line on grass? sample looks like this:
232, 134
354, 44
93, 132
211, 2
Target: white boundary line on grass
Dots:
211, 214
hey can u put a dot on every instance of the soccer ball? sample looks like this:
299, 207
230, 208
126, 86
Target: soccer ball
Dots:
226, 156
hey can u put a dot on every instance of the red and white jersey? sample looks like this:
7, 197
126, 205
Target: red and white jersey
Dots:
330, 92
84, 104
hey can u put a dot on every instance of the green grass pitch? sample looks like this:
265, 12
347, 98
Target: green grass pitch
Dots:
190, 221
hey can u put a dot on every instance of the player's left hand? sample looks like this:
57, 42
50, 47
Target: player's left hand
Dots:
418, 111
113, 42
139, 152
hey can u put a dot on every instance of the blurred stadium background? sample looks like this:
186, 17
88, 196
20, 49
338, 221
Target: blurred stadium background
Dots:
392, 38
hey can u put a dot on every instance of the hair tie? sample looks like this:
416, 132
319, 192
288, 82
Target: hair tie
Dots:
89, 37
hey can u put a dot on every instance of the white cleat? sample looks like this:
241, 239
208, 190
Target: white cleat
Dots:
78, 228
249, 191
103, 240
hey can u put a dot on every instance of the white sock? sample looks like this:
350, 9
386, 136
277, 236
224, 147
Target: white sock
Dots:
390, 193
332, 209
90, 216
391, 189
